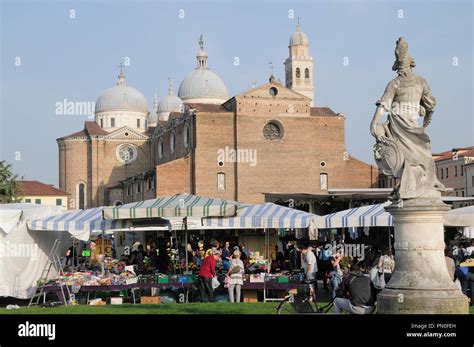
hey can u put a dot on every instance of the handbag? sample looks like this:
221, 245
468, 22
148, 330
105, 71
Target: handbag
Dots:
377, 277
227, 282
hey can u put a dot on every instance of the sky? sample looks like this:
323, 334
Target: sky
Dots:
56, 50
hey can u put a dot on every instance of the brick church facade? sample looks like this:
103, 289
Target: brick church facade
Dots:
269, 139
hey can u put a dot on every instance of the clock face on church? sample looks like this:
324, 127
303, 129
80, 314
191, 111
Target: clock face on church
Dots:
126, 153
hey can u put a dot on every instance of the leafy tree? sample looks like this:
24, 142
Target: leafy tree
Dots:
10, 187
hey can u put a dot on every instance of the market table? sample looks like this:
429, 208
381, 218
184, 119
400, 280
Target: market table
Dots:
253, 287
132, 287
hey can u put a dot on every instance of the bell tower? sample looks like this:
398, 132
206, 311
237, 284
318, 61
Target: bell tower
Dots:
299, 65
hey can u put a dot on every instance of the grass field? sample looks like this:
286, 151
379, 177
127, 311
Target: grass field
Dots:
196, 308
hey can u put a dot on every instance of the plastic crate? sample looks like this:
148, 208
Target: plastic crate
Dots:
283, 279
163, 279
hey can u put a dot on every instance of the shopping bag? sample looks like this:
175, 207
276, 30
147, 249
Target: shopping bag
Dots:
215, 283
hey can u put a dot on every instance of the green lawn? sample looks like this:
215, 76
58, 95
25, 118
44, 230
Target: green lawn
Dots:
196, 308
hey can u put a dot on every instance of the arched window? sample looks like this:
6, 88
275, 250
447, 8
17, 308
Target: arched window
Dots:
298, 73
160, 148
306, 73
186, 136
81, 195
172, 142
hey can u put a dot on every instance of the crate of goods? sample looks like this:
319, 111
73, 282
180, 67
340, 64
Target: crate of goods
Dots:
257, 278
150, 300
250, 296
283, 279
184, 279
163, 279
116, 301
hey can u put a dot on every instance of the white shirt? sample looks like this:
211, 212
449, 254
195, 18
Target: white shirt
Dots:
308, 259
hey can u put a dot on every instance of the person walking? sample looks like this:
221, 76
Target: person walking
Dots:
206, 274
387, 264
235, 273
310, 267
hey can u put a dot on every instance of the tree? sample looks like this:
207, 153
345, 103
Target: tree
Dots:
10, 187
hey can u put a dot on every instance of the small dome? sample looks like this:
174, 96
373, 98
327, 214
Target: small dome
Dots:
121, 97
298, 37
170, 103
203, 84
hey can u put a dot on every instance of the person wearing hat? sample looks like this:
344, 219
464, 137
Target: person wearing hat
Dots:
206, 274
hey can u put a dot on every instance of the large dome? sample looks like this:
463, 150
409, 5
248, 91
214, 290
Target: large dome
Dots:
298, 37
203, 83
121, 97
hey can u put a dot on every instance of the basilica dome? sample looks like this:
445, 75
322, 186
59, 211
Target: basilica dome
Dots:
170, 103
121, 97
203, 85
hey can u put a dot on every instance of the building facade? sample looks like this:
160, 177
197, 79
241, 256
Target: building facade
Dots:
451, 169
266, 139
36, 192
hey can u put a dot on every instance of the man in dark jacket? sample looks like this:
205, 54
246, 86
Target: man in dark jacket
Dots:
358, 296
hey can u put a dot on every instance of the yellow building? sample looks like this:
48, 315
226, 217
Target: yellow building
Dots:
36, 192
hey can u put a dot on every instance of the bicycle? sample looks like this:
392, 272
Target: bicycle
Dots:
301, 301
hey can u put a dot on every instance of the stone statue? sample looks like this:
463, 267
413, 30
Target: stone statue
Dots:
402, 148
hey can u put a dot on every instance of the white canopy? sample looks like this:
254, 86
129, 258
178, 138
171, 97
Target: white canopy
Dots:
460, 217
78, 223
24, 252
180, 205
375, 215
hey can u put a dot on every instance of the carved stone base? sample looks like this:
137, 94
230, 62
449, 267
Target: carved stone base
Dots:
420, 283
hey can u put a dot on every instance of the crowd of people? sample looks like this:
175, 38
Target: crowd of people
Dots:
352, 282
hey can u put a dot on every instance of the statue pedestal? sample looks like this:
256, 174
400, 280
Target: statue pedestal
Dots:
420, 283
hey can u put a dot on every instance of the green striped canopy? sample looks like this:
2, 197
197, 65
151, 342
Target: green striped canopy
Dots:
182, 205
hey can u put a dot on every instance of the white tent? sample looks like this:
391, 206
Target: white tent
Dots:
375, 215
23, 252
462, 217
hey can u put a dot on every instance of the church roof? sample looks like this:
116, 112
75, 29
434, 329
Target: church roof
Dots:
90, 129
322, 112
207, 107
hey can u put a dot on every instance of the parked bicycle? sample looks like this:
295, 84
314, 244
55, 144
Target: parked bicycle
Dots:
301, 301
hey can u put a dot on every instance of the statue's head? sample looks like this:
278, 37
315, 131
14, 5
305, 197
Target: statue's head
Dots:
403, 60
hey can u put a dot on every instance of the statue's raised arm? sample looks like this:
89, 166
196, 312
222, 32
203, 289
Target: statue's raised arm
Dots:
402, 148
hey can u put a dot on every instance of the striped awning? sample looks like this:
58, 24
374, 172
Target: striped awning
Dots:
182, 205
365, 216
266, 215
79, 223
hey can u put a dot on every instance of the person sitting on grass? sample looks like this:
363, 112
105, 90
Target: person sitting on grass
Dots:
356, 294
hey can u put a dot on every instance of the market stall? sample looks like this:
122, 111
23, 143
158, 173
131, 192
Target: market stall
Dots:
267, 216
25, 251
